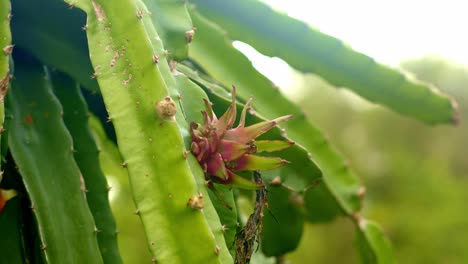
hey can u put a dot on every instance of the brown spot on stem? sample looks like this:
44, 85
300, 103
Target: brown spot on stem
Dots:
8, 49
28, 119
4, 85
101, 16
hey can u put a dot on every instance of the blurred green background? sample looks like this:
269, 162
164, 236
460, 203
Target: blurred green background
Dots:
416, 175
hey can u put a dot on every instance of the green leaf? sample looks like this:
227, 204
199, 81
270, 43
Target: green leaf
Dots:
151, 143
55, 36
42, 149
372, 243
310, 51
215, 54
75, 116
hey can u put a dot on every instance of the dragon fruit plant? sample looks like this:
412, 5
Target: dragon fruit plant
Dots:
190, 174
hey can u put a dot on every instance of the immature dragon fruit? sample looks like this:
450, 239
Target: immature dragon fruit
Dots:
222, 150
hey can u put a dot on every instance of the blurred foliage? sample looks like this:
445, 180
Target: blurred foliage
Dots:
416, 175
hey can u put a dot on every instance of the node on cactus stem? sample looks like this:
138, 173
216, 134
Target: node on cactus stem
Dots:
166, 108
196, 202
222, 150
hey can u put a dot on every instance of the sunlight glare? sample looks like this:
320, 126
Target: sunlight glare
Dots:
389, 31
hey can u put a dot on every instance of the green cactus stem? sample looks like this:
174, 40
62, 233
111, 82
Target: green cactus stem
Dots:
43, 151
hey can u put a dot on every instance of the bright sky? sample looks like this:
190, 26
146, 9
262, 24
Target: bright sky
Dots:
389, 31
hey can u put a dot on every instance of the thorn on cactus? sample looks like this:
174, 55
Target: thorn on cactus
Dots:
155, 59
223, 150
276, 181
224, 228
189, 35
196, 202
139, 14
8, 49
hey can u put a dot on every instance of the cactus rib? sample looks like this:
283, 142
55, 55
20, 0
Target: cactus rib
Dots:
152, 147
75, 115
42, 149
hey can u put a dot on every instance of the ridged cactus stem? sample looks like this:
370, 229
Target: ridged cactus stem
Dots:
86, 153
6, 49
149, 139
55, 188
